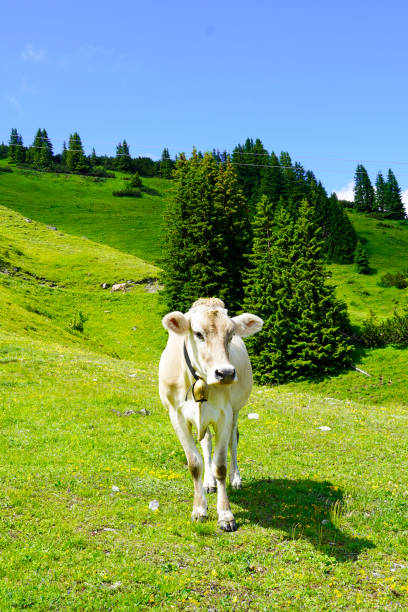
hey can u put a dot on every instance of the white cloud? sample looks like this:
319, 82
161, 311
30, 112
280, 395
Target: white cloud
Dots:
347, 192
14, 103
32, 54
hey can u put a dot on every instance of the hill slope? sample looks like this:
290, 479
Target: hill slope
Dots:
85, 206
85, 446
47, 278
80, 206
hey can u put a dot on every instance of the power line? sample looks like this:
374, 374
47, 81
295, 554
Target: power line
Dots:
366, 161
325, 158
235, 163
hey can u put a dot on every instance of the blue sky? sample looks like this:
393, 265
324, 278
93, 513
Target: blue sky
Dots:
326, 81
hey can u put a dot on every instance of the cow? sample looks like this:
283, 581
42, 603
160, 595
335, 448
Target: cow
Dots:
205, 378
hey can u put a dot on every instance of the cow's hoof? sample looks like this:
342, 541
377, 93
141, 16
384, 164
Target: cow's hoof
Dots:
210, 489
236, 484
199, 516
199, 519
228, 525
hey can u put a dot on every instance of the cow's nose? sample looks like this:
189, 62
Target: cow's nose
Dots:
225, 375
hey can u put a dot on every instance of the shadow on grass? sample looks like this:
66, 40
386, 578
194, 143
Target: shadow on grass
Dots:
304, 509
151, 191
358, 354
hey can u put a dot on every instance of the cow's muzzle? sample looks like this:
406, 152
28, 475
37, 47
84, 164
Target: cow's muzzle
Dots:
225, 375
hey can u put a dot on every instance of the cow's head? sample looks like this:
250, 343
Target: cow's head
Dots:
208, 331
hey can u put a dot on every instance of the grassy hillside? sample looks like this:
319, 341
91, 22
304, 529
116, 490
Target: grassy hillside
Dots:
80, 206
85, 206
322, 514
48, 277
387, 249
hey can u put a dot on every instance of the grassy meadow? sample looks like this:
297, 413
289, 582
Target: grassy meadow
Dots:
85, 444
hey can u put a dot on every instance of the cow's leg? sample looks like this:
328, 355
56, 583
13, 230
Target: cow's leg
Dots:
210, 484
235, 477
195, 464
226, 519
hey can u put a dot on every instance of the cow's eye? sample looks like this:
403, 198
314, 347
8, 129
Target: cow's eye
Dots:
199, 335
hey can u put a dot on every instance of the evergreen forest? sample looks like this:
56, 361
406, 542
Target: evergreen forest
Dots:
257, 230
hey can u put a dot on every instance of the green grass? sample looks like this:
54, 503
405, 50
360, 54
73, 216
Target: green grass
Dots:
81, 206
322, 514
387, 251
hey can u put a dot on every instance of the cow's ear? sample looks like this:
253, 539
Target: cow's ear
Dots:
176, 322
247, 324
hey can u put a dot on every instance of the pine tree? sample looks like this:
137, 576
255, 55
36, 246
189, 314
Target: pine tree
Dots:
3, 150
267, 292
380, 201
135, 182
166, 164
288, 173
75, 158
16, 151
319, 346
394, 206
303, 321
93, 159
272, 182
119, 155
207, 234
46, 152
33, 152
341, 240
361, 260
123, 161
126, 160
249, 161
363, 190
64, 153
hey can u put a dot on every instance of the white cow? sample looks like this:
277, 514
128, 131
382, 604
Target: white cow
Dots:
205, 356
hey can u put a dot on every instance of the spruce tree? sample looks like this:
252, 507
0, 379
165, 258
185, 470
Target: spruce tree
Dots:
361, 260
271, 184
12, 144
380, 194
363, 190
64, 153
341, 241
288, 173
249, 161
267, 292
33, 152
75, 158
166, 164
319, 347
45, 158
207, 234
303, 320
126, 160
135, 182
3, 150
16, 151
93, 158
394, 206
123, 161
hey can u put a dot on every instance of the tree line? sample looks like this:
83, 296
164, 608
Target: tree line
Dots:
40, 155
384, 201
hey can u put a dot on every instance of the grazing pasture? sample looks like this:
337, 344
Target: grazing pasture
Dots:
86, 446
85, 206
